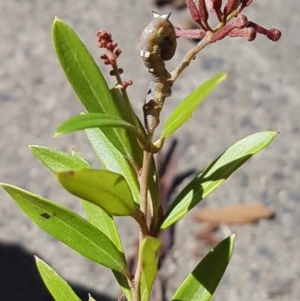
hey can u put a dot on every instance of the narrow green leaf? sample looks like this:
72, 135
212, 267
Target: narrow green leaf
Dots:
56, 160
104, 188
57, 286
215, 174
84, 76
149, 256
92, 90
105, 222
185, 109
69, 227
92, 120
204, 279
80, 69
117, 163
113, 159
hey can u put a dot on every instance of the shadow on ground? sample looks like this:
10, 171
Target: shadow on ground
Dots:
20, 280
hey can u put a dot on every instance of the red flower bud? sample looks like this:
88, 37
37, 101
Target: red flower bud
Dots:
230, 6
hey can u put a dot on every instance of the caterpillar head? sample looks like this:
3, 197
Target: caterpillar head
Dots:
159, 38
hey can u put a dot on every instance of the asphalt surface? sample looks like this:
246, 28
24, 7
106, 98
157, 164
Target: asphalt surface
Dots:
262, 93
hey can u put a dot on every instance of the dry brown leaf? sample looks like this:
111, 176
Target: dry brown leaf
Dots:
236, 214
207, 234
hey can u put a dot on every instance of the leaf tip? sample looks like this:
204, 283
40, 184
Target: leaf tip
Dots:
56, 19
36, 258
33, 147
57, 134
223, 77
5, 186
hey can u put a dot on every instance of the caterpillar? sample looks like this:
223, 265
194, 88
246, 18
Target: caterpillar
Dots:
158, 44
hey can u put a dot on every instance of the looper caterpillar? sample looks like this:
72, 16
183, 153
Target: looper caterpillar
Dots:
158, 44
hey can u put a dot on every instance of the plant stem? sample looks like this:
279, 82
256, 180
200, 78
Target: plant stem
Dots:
190, 55
144, 183
147, 158
139, 216
136, 294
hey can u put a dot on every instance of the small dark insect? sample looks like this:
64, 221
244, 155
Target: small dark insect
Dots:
46, 215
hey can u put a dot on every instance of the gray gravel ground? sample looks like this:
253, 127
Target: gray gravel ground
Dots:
262, 93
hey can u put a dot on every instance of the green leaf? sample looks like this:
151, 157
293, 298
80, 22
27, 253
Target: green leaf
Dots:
57, 286
114, 160
94, 120
103, 221
104, 188
149, 257
56, 160
80, 69
204, 279
215, 174
69, 227
185, 109
92, 90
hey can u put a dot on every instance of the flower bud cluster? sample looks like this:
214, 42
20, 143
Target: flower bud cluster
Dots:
110, 57
232, 22
105, 41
